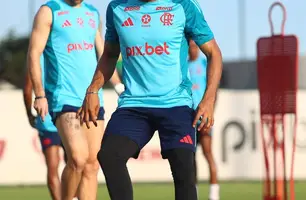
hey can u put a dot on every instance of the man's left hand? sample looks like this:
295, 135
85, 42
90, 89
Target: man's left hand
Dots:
204, 113
90, 109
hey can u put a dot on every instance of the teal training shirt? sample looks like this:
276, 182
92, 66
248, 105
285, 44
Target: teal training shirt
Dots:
153, 39
70, 54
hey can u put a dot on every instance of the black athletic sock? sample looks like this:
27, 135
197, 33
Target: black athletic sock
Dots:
113, 156
183, 172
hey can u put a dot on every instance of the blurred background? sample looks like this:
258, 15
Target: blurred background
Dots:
237, 26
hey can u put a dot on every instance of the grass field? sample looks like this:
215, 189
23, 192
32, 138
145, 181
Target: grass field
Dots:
162, 191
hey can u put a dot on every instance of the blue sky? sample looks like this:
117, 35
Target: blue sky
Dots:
222, 16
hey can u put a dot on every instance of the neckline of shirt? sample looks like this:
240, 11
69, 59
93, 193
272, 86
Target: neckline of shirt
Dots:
142, 2
72, 7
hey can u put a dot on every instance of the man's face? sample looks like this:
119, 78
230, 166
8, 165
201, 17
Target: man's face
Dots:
76, 2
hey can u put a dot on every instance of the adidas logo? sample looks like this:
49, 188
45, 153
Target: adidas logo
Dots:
128, 22
66, 24
187, 139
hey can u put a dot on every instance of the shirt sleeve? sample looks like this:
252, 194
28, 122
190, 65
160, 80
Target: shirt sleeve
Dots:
196, 26
111, 34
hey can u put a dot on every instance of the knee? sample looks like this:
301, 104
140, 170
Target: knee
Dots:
105, 158
108, 158
78, 161
52, 176
116, 151
91, 168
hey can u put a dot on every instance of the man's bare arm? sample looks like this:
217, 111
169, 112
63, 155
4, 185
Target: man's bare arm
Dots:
106, 66
214, 69
115, 79
38, 40
27, 93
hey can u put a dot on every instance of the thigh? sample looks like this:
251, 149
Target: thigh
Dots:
94, 137
183, 159
73, 109
200, 134
72, 134
175, 128
132, 123
117, 147
205, 140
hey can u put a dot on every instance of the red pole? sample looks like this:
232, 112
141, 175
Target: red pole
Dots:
292, 190
267, 181
284, 158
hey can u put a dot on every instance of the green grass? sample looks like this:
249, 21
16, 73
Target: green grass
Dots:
161, 191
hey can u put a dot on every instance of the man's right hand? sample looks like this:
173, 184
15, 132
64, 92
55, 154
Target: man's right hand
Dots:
90, 109
41, 106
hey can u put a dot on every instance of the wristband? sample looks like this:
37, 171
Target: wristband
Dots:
92, 93
40, 97
119, 88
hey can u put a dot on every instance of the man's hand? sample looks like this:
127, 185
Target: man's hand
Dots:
90, 109
41, 106
105, 69
204, 113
